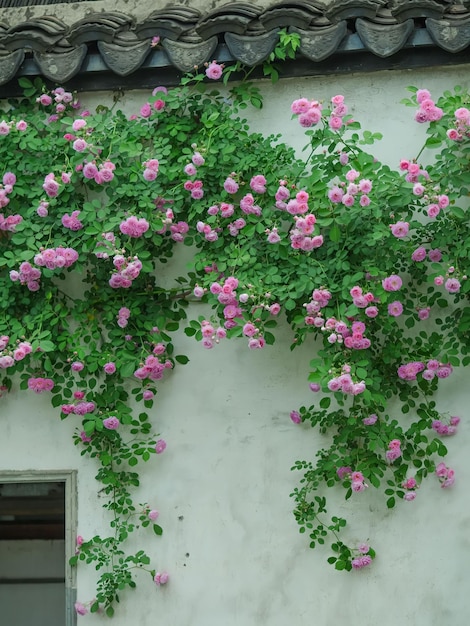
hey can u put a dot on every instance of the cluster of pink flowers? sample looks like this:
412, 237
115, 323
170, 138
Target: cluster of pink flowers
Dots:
127, 271
363, 559
5, 127
154, 368
50, 185
178, 230
195, 187
297, 206
431, 369
235, 227
320, 299
413, 173
346, 194
410, 485
210, 234
123, 317
420, 254
196, 160
53, 258
214, 70
82, 407
345, 383
363, 300
462, 125
8, 223
42, 209
161, 578
71, 221
104, 173
300, 234
134, 226
227, 295
339, 110
428, 111
309, 111
255, 339
441, 202
38, 385
10, 356
248, 206
60, 98
357, 482
444, 429
211, 335
151, 169
446, 475
394, 450
340, 332
355, 338
451, 284
107, 242
27, 275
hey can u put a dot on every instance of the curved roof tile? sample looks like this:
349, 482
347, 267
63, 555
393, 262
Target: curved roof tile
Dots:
237, 31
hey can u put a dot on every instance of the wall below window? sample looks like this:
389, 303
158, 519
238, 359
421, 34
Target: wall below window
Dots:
32, 586
230, 542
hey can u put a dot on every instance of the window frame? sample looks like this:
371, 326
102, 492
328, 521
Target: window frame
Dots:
69, 478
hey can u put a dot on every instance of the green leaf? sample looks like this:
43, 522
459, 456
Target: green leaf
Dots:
127, 369
181, 358
47, 346
335, 233
325, 402
158, 530
457, 211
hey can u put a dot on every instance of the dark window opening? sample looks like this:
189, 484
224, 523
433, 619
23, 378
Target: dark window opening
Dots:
32, 510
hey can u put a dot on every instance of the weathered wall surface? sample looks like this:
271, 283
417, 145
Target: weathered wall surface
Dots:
222, 486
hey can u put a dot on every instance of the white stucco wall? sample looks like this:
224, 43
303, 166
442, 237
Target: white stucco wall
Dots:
236, 558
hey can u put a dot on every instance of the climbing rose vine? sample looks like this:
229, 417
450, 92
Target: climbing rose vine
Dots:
367, 264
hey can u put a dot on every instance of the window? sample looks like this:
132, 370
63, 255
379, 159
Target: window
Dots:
37, 538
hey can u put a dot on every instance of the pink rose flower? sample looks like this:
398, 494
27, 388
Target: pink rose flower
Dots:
214, 71
160, 446
400, 229
161, 578
295, 417
111, 422
395, 309
80, 608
